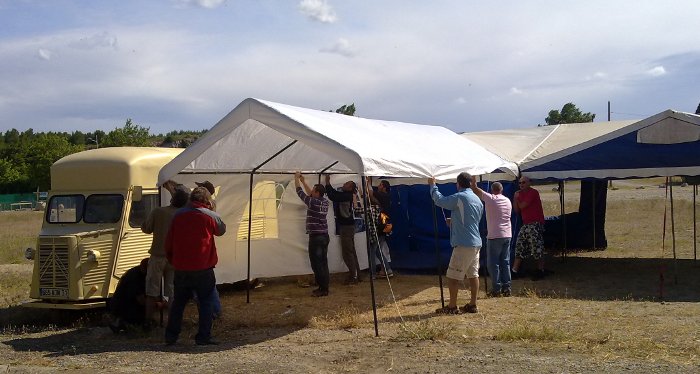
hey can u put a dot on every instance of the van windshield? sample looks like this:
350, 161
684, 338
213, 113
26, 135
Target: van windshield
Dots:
103, 208
65, 209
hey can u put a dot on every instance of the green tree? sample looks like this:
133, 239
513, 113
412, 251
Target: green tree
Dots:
569, 114
9, 174
11, 136
42, 153
77, 138
129, 135
348, 110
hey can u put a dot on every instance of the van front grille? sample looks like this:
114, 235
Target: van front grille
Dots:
54, 264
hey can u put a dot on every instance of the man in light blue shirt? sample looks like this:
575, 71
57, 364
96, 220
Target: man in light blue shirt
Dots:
465, 240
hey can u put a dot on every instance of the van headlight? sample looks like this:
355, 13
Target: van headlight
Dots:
93, 255
29, 253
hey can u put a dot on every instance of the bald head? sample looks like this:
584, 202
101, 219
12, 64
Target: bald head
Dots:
496, 188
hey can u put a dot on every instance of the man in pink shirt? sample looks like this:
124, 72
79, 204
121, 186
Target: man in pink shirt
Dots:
498, 208
530, 241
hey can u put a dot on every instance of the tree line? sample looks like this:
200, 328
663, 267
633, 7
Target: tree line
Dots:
26, 157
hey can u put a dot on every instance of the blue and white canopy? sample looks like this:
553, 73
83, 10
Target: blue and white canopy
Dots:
666, 144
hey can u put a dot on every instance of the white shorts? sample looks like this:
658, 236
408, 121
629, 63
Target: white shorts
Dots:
464, 262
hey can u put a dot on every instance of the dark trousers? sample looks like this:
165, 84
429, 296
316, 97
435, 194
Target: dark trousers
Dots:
347, 245
188, 283
318, 256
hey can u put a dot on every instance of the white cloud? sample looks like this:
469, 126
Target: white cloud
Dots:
101, 40
318, 10
341, 47
515, 91
656, 71
208, 4
460, 100
45, 54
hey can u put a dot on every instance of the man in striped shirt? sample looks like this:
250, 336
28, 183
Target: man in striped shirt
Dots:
317, 228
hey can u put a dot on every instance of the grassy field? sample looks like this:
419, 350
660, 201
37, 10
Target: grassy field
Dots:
602, 305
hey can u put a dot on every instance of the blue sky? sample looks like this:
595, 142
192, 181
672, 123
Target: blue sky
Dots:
466, 65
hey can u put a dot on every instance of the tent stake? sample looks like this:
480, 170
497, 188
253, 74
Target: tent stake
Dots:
370, 256
437, 253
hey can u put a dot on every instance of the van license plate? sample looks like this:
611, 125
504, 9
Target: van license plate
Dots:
53, 292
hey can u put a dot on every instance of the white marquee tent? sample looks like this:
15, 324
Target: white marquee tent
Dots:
257, 147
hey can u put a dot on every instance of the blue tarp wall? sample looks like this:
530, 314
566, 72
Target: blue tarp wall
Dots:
412, 241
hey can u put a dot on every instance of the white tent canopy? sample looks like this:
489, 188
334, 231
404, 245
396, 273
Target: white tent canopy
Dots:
335, 143
271, 141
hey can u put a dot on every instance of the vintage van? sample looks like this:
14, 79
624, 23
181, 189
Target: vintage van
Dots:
91, 232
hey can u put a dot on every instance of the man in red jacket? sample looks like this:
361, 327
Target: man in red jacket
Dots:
191, 250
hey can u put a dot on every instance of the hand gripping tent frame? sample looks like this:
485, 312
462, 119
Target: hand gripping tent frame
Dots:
261, 141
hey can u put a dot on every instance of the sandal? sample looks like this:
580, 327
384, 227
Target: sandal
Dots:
448, 310
469, 308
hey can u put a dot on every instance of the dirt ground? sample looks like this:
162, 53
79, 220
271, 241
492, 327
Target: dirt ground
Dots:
598, 312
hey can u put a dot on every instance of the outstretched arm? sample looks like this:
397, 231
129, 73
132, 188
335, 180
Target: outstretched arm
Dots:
370, 192
478, 191
306, 186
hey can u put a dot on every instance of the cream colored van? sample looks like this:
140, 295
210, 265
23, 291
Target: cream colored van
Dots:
91, 232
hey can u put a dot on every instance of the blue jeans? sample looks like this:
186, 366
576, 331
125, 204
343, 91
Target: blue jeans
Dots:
187, 283
498, 263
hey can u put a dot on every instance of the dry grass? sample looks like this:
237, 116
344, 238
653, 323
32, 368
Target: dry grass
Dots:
602, 304
18, 230
425, 330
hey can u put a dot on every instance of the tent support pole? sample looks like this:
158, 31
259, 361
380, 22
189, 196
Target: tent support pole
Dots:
370, 255
250, 212
437, 253
324, 170
250, 227
594, 201
488, 188
695, 226
673, 234
563, 219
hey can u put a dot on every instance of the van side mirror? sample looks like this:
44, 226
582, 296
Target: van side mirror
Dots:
136, 193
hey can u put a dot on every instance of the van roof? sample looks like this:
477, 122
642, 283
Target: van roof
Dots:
110, 168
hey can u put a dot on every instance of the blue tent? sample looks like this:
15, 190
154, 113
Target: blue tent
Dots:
666, 144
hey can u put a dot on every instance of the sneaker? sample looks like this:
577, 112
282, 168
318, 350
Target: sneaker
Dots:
493, 294
319, 293
351, 281
505, 293
448, 310
469, 308
382, 274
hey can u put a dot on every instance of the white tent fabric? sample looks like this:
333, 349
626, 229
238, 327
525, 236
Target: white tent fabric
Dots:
662, 145
272, 140
255, 130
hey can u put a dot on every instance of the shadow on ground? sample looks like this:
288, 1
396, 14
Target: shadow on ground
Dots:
635, 279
